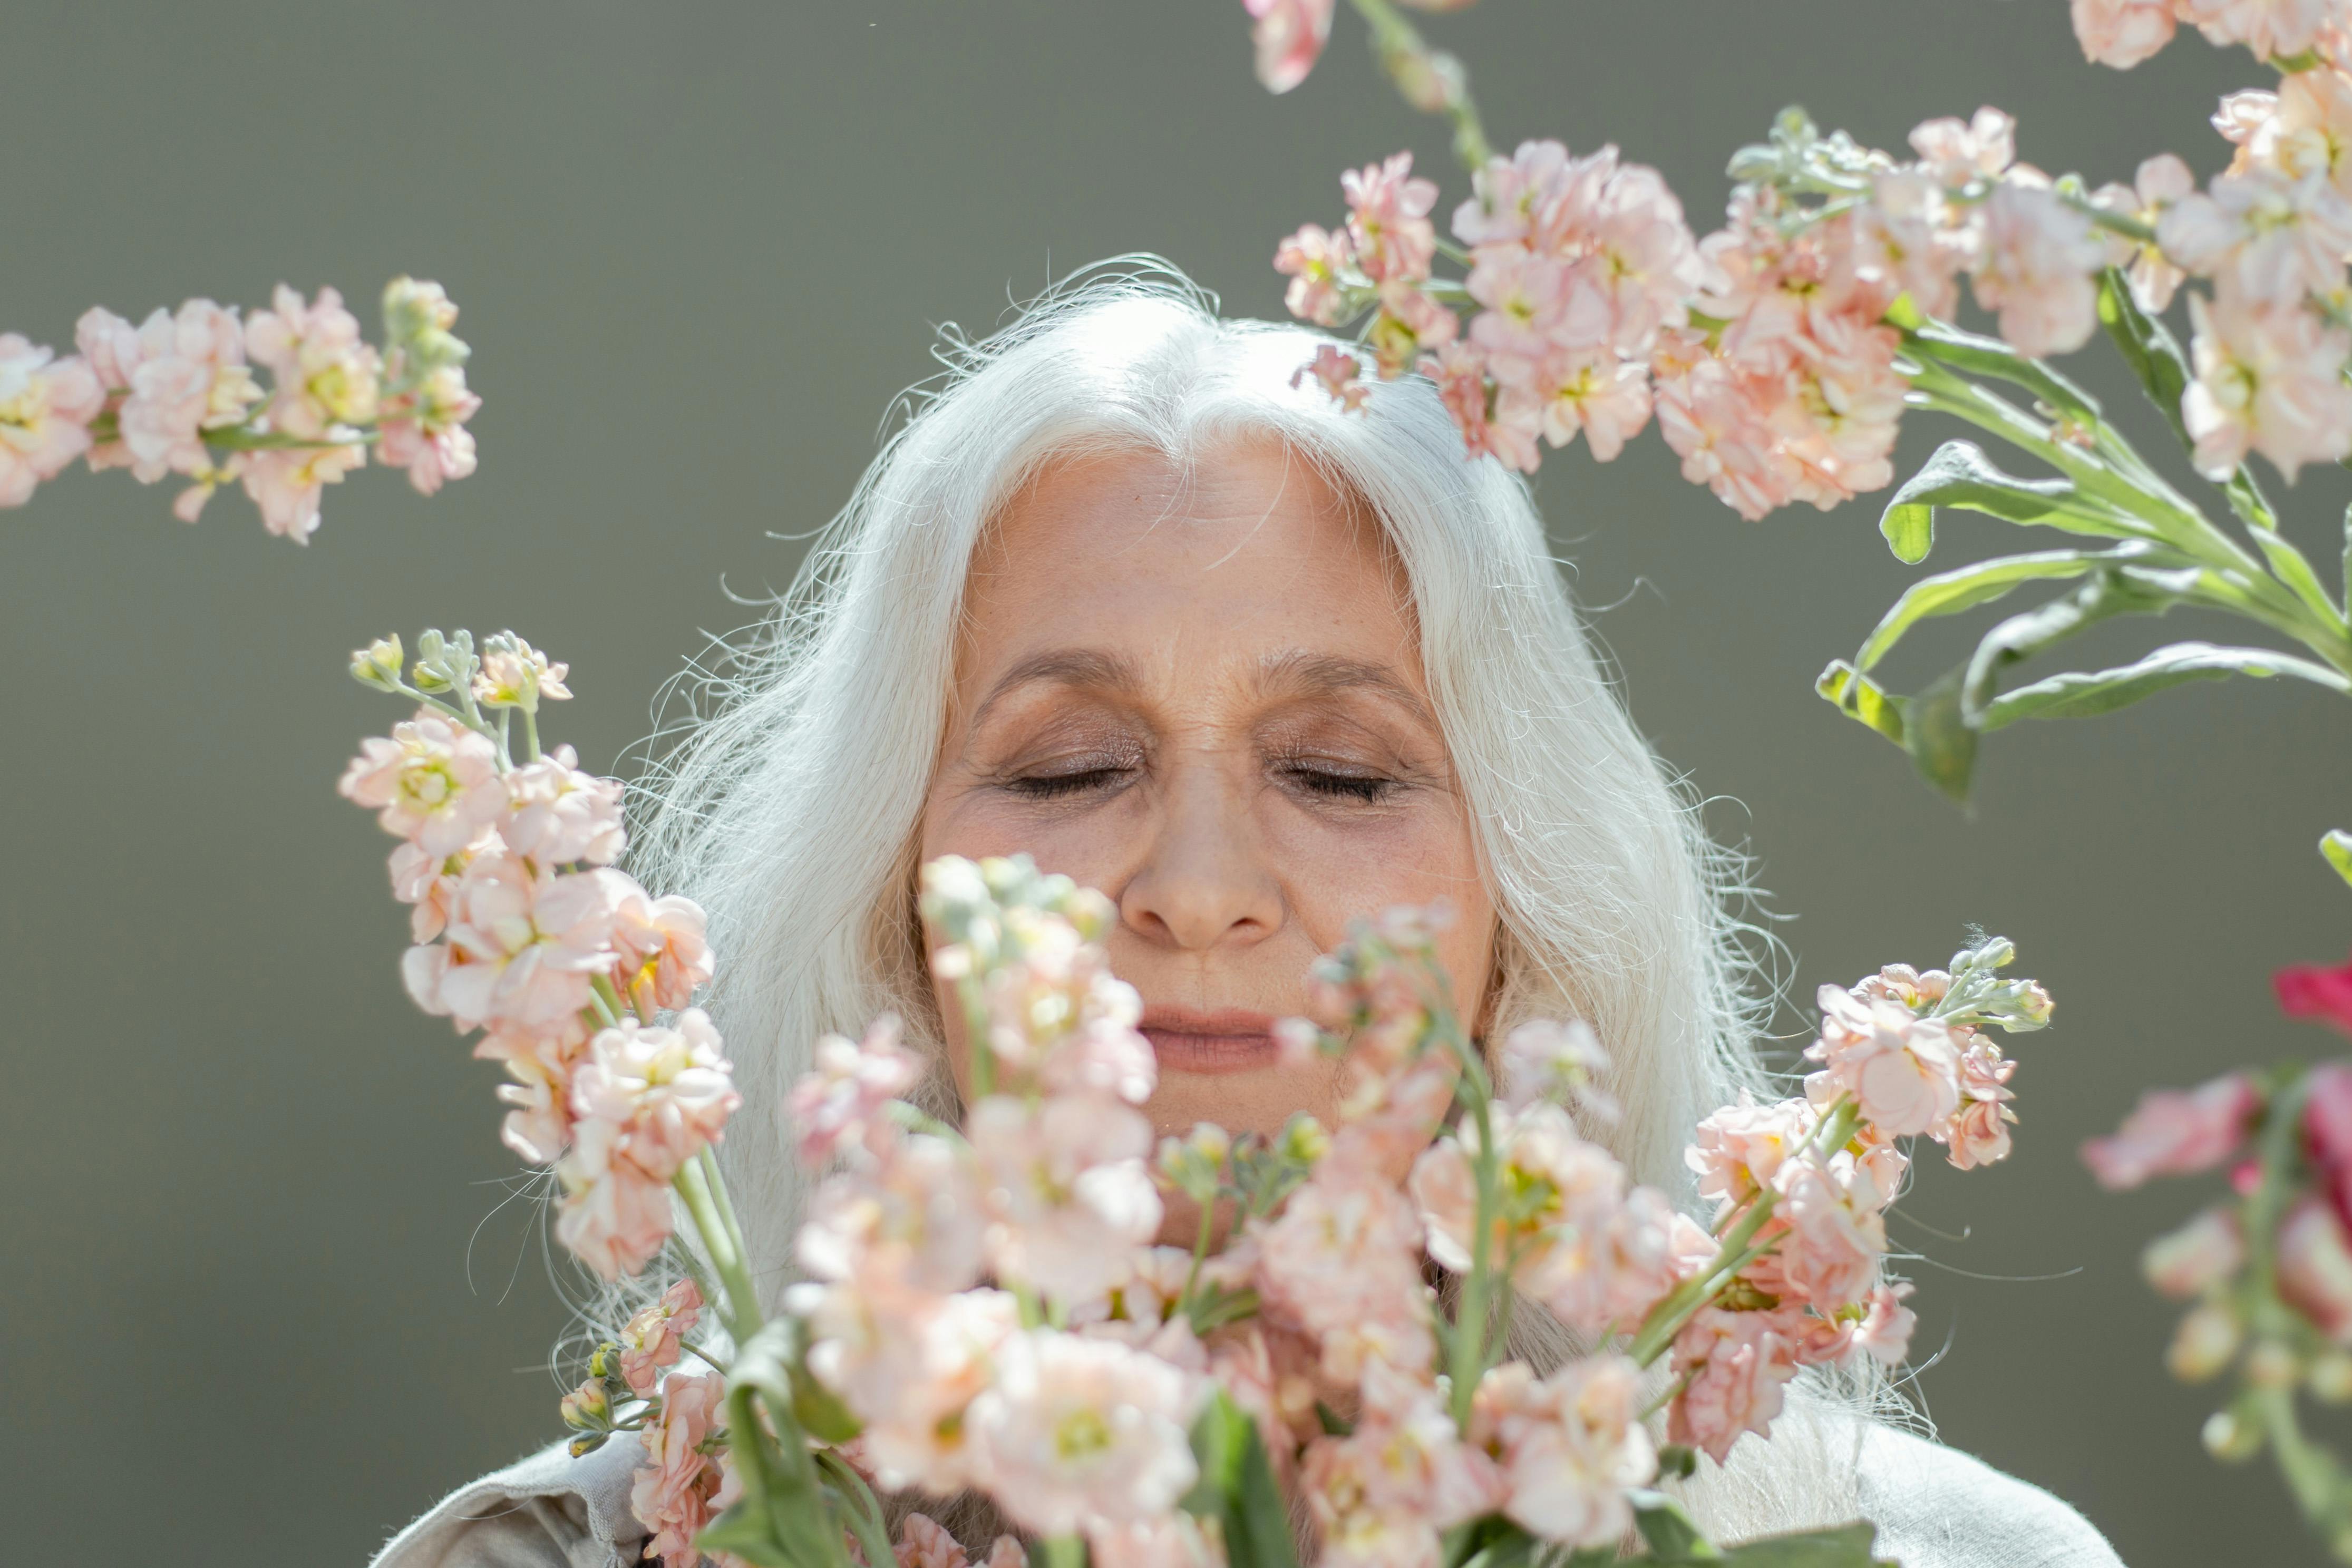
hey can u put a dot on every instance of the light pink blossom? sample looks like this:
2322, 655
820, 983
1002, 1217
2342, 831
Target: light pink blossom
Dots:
1083, 1433
1587, 390
556, 814
1526, 299
1339, 375
2268, 380
2271, 29
1545, 1058
1513, 196
2315, 1267
1738, 1150
423, 427
327, 377
2207, 1249
2265, 236
287, 484
1910, 232
2304, 127
1884, 1332
1383, 1494
909, 1369
673, 1495
1903, 1072
1316, 261
1388, 220
428, 882
662, 944
844, 1098
1836, 1232
1068, 1188
2039, 269
432, 782
668, 1089
924, 1543
2161, 182
1507, 430
191, 377
1409, 324
1956, 153
521, 949
1170, 1541
1977, 1132
1344, 1259
2122, 33
1568, 1446
1290, 35
540, 1065
2175, 1132
653, 1338
1738, 1365
46, 407
907, 1224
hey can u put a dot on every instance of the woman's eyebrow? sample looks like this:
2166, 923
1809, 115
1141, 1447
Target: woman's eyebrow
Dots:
1299, 674
1084, 667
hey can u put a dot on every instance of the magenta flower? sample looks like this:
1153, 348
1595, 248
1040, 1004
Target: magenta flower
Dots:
2175, 1133
1290, 35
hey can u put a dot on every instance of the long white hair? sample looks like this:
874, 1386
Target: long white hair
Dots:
789, 806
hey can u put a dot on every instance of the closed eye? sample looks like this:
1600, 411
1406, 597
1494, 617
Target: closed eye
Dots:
1054, 786
1369, 788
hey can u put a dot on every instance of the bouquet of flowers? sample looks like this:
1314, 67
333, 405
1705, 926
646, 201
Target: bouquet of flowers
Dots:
984, 1310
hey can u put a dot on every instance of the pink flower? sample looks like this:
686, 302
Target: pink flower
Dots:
2205, 1252
1083, 1433
1383, 1494
428, 882
661, 945
1957, 153
557, 815
1171, 1540
1903, 1072
654, 1337
1067, 1189
1568, 1446
521, 949
1388, 220
1738, 1365
1885, 1332
2039, 269
1344, 1261
1977, 1132
1290, 35
1316, 261
668, 1090
327, 378
834, 1106
2315, 1267
190, 377
435, 783
2122, 33
2268, 380
922, 1544
423, 426
1547, 1060
2271, 29
2313, 991
46, 407
1589, 390
2328, 1130
1503, 428
1836, 1234
287, 485
539, 1127
2175, 1133
2304, 127
673, 1496
1527, 302
2265, 237
906, 1225
1739, 1149
909, 1369
1711, 415
1513, 195
1338, 375
2161, 182
1409, 323
1626, 232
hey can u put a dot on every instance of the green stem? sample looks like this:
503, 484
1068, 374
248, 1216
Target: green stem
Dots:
724, 1202
245, 438
864, 1508
1467, 1362
1065, 1552
1401, 46
975, 1030
1200, 1253
531, 730
2113, 222
740, 1307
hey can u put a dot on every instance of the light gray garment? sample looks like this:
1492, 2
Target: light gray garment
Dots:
1935, 1507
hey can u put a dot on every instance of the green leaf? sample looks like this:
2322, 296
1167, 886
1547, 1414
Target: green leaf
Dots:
1950, 592
1845, 1547
1858, 696
1910, 530
2337, 849
781, 1521
1236, 1489
1974, 355
2079, 693
1961, 476
2148, 347
1940, 739
1670, 1532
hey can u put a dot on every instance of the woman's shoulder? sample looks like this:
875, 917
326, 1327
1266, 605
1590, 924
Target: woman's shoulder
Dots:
1938, 1508
548, 1510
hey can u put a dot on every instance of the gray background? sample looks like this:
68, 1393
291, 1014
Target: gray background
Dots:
262, 1303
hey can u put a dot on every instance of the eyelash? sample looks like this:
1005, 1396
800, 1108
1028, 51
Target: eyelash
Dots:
1053, 785
1359, 788
1369, 789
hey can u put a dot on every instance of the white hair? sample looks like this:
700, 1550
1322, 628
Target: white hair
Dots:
791, 811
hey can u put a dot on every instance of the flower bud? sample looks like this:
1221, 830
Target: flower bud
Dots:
2205, 1252
378, 664
2230, 1437
2204, 1343
2272, 1364
2330, 1378
1303, 1140
588, 1408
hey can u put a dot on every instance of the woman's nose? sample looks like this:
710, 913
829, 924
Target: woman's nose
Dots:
1202, 882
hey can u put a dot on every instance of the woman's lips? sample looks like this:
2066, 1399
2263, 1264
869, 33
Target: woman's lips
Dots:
1228, 1039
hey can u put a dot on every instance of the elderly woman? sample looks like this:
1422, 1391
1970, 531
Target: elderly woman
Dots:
1121, 595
